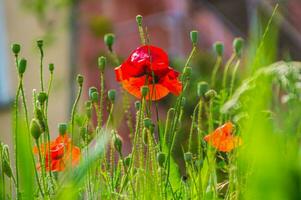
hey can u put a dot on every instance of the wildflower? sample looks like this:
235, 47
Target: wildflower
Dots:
148, 65
222, 138
60, 153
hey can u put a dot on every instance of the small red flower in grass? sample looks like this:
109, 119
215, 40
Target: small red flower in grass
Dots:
60, 153
222, 138
148, 65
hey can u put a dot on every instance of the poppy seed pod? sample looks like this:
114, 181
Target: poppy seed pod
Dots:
210, 94
112, 95
139, 20
188, 156
91, 91
40, 43
22, 66
144, 91
161, 157
137, 105
42, 97
147, 122
219, 48
51, 67
62, 128
117, 143
202, 88
194, 37
94, 97
80, 80
109, 40
16, 48
238, 44
102, 61
35, 129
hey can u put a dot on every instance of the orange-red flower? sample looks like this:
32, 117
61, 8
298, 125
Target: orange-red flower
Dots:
60, 153
222, 138
148, 65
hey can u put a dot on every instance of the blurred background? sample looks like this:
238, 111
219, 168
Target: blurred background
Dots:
73, 32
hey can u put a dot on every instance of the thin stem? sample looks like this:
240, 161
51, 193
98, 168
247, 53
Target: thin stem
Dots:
41, 68
234, 76
215, 69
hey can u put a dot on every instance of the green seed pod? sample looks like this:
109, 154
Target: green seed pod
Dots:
194, 37
161, 157
51, 67
35, 129
210, 94
80, 80
42, 97
219, 48
102, 62
187, 72
40, 43
147, 122
202, 88
16, 48
137, 105
139, 20
91, 91
238, 44
109, 40
112, 95
62, 128
94, 97
127, 160
188, 157
22, 66
117, 143
144, 91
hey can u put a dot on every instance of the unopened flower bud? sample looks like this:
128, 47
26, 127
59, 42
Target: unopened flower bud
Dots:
219, 48
144, 91
42, 97
137, 105
51, 67
194, 37
16, 48
91, 91
210, 94
22, 66
40, 118
202, 88
35, 129
112, 95
94, 97
117, 143
102, 61
40, 43
147, 122
161, 157
80, 80
238, 44
139, 20
188, 156
7, 168
62, 128
109, 40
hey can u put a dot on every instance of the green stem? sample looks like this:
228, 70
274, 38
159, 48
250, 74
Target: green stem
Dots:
215, 69
41, 69
234, 76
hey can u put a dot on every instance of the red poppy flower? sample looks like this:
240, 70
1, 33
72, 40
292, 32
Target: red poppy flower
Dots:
222, 138
148, 65
60, 153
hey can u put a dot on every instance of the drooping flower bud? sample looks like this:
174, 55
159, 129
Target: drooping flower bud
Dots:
35, 129
210, 94
40, 43
112, 95
91, 91
102, 61
40, 118
194, 37
137, 105
144, 91
218, 48
80, 80
42, 97
22, 66
202, 88
139, 20
161, 157
62, 128
7, 168
188, 157
16, 48
117, 142
51, 67
238, 44
109, 40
